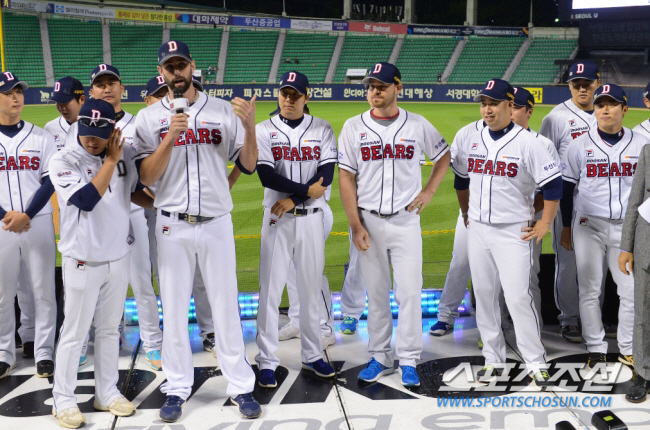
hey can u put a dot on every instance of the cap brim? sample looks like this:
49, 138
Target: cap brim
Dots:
291, 86
102, 133
477, 98
22, 84
581, 77
600, 96
520, 105
61, 98
366, 80
162, 61
105, 72
155, 91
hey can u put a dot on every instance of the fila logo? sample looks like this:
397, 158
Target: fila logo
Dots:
160, 80
274, 135
9, 76
81, 265
377, 69
572, 122
474, 146
292, 77
590, 152
606, 89
102, 67
90, 172
490, 85
363, 136
583, 221
172, 46
273, 223
164, 122
57, 87
165, 230
580, 68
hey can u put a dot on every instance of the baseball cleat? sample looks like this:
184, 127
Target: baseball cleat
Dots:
487, 373
44, 368
542, 379
119, 407
70, 418
327, 341
374, 370
266, 379
410, 376
172, 410
628, 360
248, 406
571, 333
289, 331
28, 350
596, 358
349, 325
83, 360
480, 343
208, 342
155, 359
5, 368
320, 368
440, 329
639, 391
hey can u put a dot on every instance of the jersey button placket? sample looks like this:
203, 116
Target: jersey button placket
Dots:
387, 189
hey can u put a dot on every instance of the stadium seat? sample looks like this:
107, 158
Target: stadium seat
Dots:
538, 65
485, 58
204, 44
422, 58
24, 55
250, 54
362, 52
313, 51
134, 51
76, 60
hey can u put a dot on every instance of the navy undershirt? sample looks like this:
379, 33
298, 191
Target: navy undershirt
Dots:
293, 123
496, 135
611, 138
12, 130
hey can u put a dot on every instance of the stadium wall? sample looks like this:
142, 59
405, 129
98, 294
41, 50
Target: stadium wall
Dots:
550, 95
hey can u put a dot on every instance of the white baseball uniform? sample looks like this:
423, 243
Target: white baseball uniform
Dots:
353, 292
24, 162
643, 128
562, 125
603, 174
95, 245
58, 128
195, 183
296, 154
503, 175
386, 162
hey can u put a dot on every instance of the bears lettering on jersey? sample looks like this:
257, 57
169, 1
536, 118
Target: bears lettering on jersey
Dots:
576, 134
282, 151
600, 168
22, 162
375, 152
500, 168
203, 136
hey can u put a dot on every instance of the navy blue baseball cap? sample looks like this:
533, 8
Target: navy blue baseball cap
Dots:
384, 72
173, 48
295, 80
96, 118
523, 97
496, 89
8, 81
154, 84
646, 93
584, 70
613, 91
104, 69
66, 89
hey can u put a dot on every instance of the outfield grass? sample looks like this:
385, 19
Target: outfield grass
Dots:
438, 219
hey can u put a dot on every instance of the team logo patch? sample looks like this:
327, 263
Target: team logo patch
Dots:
274, 135
363, 136
273, 223
56, 138
572, 122
81, 265
164, 121
90, 172
583, 221
474, 146
165, 230
590, 152
130, 239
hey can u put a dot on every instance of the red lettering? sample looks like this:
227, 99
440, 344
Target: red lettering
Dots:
216, 136
470, 165
277, 153
11, 164
410, 151
24, 162
388, 151
628, 170
614, 170
204, 135
376, 152
190, 138
400, 152
501, 169
36, 163
512, 170
602, 170
286, 153
365, 153
295, 155
478, 166
591, 170
317, 152
489, 170
306, 153
2, 163
577, 134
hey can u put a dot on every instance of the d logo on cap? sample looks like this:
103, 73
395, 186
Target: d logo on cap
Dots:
606, 89
490, 85
94, 116
292, 77
377, 69
580, 68
172, 46
9, 76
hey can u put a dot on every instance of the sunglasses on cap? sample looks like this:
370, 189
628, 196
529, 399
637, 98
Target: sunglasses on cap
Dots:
95, 122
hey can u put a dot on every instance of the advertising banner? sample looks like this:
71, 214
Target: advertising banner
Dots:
95, 12
252, 21
307, 24
378, 27
455, 30
192, 18
139, 15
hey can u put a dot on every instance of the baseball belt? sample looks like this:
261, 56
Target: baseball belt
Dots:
192, 219
380, 215
301, 212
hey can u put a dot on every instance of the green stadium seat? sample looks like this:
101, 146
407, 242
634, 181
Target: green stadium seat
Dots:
538, 65
362, 52
23, 48
250, 55
204, 44
134, 51
313, 51
484, 58
76, 60
422, 58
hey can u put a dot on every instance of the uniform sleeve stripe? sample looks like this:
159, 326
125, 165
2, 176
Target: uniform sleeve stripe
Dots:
549, 179
327, 160
462, 175
142, 155
348, 168
569, 179
268, 163
235, 155
442, 152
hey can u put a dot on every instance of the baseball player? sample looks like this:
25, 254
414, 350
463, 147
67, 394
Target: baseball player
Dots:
106, 84
297, 155
27, 233
183, 155
69, 96
644, 127
502, 165
95, 180
601, 165
381, 189
562, 125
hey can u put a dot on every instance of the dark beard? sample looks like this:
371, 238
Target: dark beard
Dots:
185, 87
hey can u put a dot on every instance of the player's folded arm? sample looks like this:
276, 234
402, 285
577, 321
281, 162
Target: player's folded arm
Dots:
279, 183
235, 159
460, 183
40, 199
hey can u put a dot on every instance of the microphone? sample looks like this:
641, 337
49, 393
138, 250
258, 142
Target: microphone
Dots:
179, 104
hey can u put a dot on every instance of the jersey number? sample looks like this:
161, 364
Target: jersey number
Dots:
121, 169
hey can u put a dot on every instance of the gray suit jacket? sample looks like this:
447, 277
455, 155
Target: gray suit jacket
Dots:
636, 230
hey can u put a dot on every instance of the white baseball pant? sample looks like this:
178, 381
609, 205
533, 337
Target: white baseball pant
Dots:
299, 239
326, 321
456, 281
94, 292
211, 245
353, 293
498, 255
395, 241
25, 293
36, 248
566, 284
596, 240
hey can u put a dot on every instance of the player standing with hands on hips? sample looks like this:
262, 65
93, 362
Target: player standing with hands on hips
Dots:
502, 165
381, 189
601, 165
95, 180
184, 144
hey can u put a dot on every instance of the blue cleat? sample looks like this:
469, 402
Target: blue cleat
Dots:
320, 368
172, 409
248, 406
374, 370
410, 376
266, 379
349, 325
154, 359
440, 328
